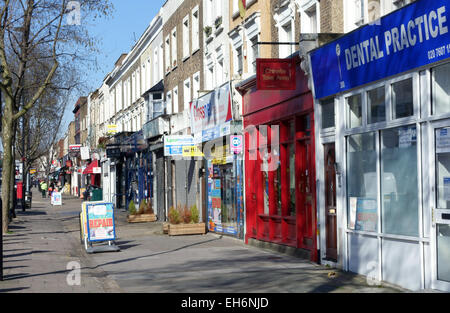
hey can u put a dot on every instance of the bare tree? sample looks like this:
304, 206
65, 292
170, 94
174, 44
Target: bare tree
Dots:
36, 32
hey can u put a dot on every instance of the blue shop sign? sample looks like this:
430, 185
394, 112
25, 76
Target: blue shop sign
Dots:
411, 37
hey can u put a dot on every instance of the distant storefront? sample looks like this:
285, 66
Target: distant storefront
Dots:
280, 180
212, 124
383, 98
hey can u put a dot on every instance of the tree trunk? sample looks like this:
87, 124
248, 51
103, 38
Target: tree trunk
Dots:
7, 168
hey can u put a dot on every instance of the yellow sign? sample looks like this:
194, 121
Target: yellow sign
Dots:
33, 171
192, 151
220, 155
111, 129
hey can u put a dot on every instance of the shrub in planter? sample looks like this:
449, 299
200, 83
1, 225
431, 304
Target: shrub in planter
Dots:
131, 208
195, 215
187, 215
174, 216
142, 207
149, 208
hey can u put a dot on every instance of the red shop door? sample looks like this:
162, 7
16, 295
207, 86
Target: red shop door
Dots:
305, 190
330, 202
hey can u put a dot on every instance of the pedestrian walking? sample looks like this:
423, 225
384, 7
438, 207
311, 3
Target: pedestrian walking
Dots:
44, 189
50, 189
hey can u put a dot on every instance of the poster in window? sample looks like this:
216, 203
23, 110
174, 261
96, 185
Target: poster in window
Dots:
407, 136
352, 214
443, 140
366, 215
447, 188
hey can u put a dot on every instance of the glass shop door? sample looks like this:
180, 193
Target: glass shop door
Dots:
440, 215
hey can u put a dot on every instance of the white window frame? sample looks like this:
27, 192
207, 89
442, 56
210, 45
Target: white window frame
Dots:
390, 121
174, 40
306, 6
235, 13
195, 85
236, 40
187, 90
169, 102
186, 39
251, 64
195, 26
167, 54
175, 99
252, 28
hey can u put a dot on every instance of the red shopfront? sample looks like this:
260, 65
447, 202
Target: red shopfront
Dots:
280, 199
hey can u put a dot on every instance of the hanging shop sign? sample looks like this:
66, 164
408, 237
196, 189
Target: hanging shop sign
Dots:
173, 145
113, 151
75, 148
236, 144
111, 129
192, 151
211, 115
84, 153
414, 36
275, 74
100, 222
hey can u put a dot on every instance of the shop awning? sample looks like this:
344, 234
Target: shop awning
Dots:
92, 168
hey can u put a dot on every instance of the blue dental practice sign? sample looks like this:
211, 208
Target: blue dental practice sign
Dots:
414, 36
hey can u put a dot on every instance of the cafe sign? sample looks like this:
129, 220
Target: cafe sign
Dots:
275, 74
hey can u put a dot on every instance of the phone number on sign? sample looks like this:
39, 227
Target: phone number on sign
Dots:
439, 52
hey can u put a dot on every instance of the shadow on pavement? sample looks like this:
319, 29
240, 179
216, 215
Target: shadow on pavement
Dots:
13, 289
31, 213
155, 254
25, 253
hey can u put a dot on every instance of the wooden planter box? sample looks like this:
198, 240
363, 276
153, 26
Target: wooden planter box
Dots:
187, 229
141, 218
166, 228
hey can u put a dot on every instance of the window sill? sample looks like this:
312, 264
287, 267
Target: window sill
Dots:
235, 15
186, 57
209, 39
218, 31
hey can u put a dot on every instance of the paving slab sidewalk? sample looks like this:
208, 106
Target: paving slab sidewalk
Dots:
45, 239
39, 249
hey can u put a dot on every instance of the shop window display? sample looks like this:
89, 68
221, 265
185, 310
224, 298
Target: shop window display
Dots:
399, 185
362, 182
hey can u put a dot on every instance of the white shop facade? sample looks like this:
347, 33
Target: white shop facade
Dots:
382, 105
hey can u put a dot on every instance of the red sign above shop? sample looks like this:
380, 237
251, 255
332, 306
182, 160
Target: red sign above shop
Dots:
275, 74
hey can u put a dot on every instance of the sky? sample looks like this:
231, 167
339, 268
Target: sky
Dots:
117, 35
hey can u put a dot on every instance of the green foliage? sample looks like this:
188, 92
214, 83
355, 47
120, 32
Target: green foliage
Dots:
174, 216
132, 208
149, 208
187, 215
224, 212
195, 214
142, 206
208, 31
